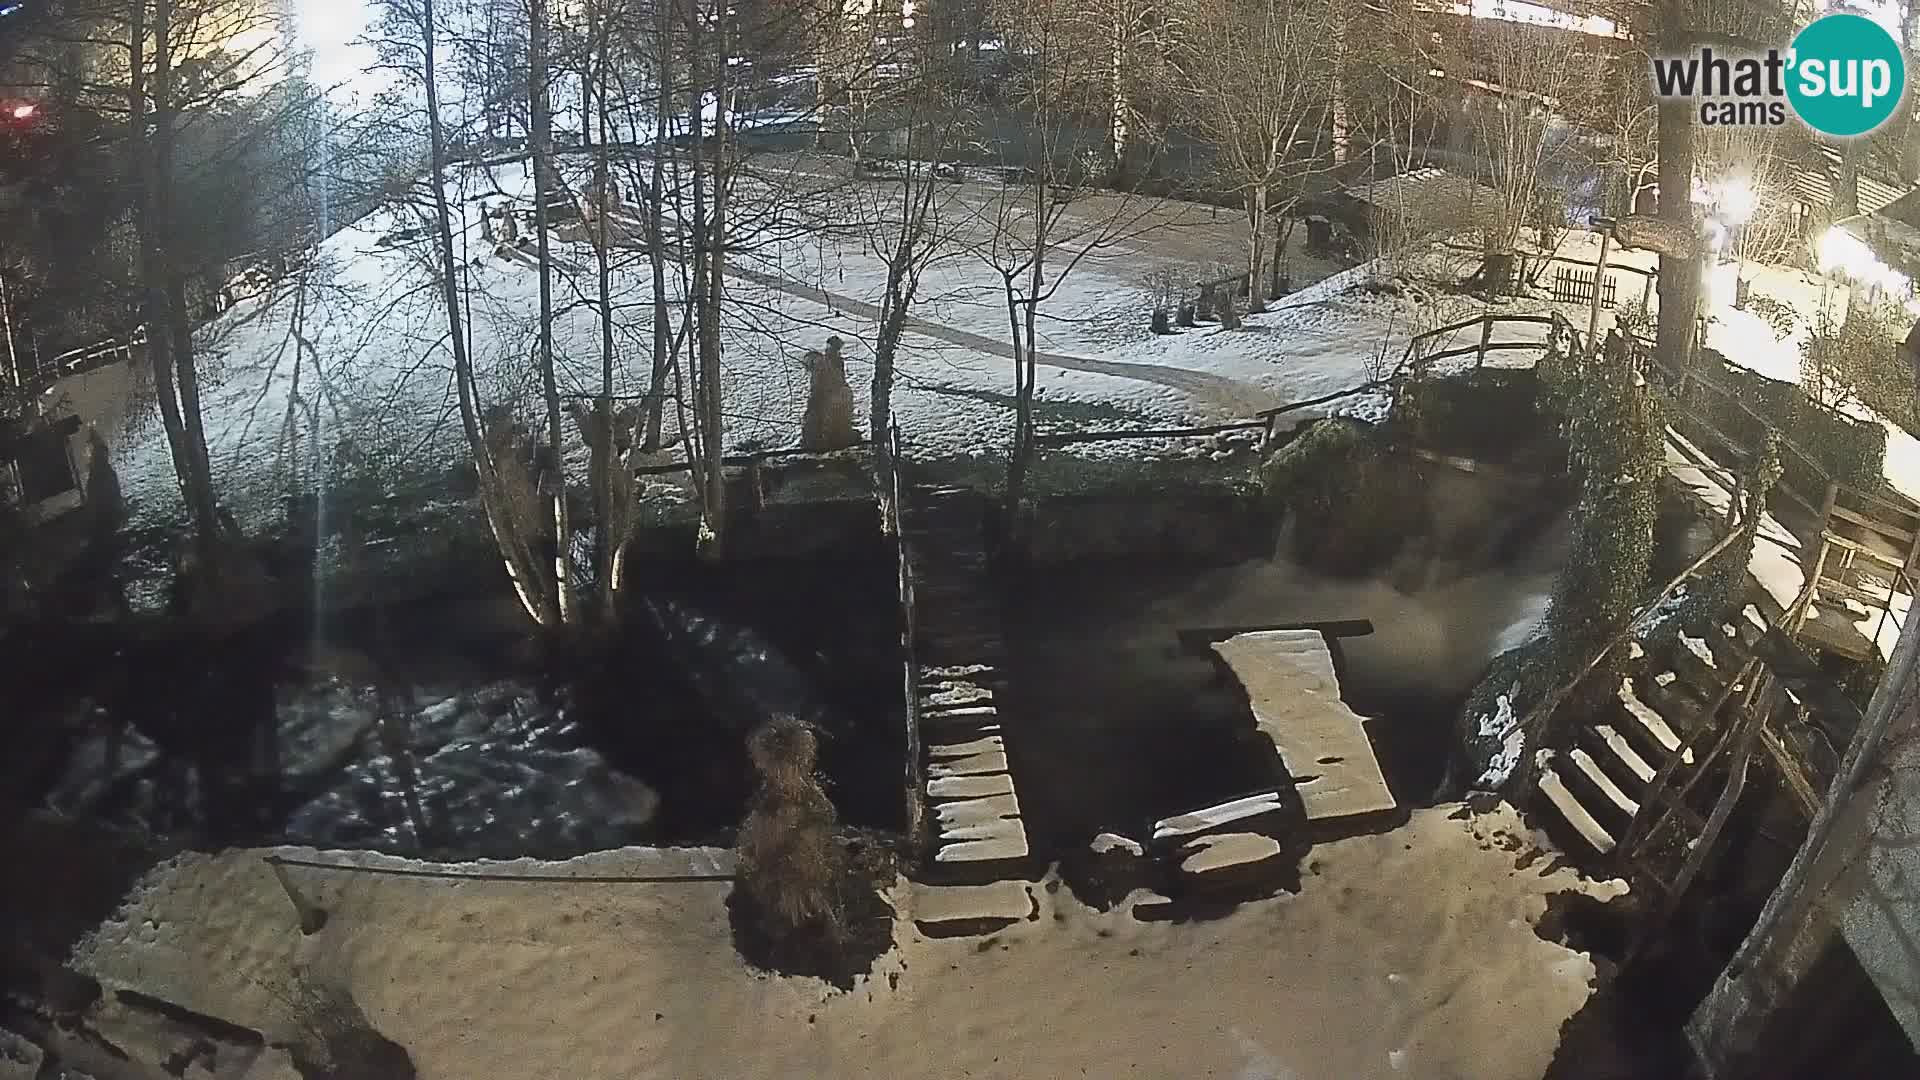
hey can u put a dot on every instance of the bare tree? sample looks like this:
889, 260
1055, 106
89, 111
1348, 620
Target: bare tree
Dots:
1033, 232
1536, 75
540, 111
1254, 74
410, 43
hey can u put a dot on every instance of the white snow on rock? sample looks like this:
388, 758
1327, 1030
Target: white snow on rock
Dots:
1213, 817
1502, 727
543, 981
1106, 842
1222, 850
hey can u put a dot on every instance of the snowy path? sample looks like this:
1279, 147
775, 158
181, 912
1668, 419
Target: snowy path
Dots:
1230, 397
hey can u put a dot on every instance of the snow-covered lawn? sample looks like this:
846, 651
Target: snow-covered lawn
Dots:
1409, 953
358, 355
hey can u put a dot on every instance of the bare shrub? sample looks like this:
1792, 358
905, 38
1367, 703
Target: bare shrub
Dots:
1163, 288
791, 866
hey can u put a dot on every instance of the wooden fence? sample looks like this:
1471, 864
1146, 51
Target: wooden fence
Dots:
1571, 286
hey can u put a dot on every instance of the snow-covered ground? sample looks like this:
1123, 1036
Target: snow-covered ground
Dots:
1409, 953
356, 353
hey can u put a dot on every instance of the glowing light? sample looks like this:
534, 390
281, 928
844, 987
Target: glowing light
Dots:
24, 112
1732, 199
1841, 252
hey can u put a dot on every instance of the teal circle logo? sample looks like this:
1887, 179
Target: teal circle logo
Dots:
1845, 75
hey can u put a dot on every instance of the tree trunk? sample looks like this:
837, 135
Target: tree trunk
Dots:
540, 113
656, 227
1846, 188
1679, 277
168, 333
1256, 248
521, 570
153, 288
612, 531
711, 377
706, 244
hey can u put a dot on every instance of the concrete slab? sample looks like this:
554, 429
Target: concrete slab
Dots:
1290, 682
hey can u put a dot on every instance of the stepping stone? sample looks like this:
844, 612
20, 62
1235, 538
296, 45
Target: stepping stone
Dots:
970, 695
964, 813
1008, 844
1584, 823
1226, 851
972, 910
966, 749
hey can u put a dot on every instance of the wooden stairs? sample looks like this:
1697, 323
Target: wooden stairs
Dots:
974, 811
1593, 791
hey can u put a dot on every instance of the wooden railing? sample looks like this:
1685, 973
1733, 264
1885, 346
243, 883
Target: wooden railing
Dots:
892, 517
89, 358
1415, 358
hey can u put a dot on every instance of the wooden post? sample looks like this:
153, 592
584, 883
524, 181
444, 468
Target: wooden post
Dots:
1486, 338
1827, 502
312, 916
1599, 276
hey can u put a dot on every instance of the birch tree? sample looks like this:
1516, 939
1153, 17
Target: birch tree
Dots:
410, 43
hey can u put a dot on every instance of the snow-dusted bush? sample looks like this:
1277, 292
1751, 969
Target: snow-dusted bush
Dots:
1351, 503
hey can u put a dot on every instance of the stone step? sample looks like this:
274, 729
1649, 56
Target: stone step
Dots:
1624, 754
1562, 799
943, 788
990, 760
1644, 719
971, 910
1590, 769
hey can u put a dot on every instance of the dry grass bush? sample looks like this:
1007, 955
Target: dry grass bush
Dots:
791, 866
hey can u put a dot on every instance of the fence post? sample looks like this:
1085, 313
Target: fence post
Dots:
1486, 338
1827, 502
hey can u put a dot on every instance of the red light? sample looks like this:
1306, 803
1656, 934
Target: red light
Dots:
24, 112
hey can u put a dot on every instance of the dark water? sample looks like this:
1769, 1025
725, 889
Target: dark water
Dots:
437, 729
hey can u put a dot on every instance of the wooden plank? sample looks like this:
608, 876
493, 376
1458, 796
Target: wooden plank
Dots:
1892, 532
1202, 638
1322, 742
1584, 823
1855, 546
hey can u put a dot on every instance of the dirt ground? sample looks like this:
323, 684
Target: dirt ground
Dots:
1408, 953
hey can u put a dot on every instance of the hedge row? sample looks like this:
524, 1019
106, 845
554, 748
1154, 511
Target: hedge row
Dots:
1854, 452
